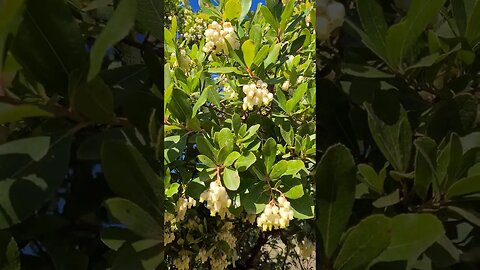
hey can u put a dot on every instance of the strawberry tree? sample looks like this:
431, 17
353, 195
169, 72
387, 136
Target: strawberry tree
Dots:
239, 133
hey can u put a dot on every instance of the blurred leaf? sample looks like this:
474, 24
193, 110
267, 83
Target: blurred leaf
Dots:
472, 33
149, 17
364, 243
374, 180
412, 234
117, 28
134, 217
129, 175
93, 100
12, 113
30, 168
58, 44
449, 160
9, 253
335, 194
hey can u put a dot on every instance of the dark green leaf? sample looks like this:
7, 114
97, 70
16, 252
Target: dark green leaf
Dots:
425, 165
31, 168
149, 17
269, 151
117, 28
335, 194
134, 217
93, 100
364, 242
58, 44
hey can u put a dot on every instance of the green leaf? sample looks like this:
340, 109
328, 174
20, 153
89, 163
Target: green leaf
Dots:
449, 161
255, 198
294, 166
180, 106
9, 252
205, 147
245, 161
394, 141
261, 55
364, 71
134, 217
460, 14
272, 55
279, 169
412, 234
93, 100
233, 9
117, 28
13, 113
223, 70
174, 146
206, 161
58, 44
172, 190
387, 200
248, 49
201, 100
231, 158
336, 173
129, 175
269, 151
297, 44
149, 17
292, 188
470, 215
364, 243
267, 15
403, 35
425, 166
297, 96
251, 132
286, 14
246, 4
464, 186
374, 24
224, 138
472, 33
231, 179
303, 208
371, 177
30, 168
127, 259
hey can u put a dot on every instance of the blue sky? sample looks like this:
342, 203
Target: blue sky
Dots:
195, 7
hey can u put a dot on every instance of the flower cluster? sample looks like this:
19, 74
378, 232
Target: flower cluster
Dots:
217, 37
330, 15
182, 262
182, 205
217, 199
274, 217
256, 94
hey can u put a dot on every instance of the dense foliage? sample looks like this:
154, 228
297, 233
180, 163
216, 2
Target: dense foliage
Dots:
80, 158
398, 180
240, 139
